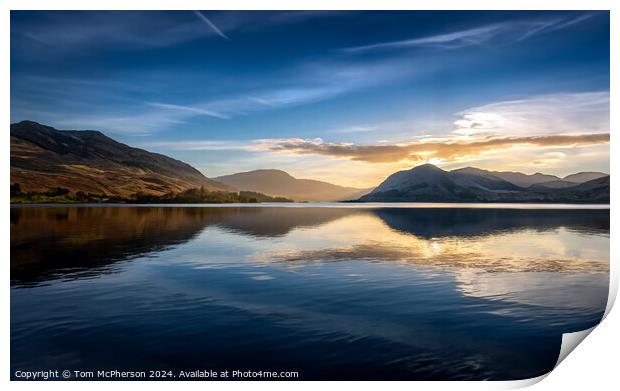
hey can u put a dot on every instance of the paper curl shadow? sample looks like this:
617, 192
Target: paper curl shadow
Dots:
570, 340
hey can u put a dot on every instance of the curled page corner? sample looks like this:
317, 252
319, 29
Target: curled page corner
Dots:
518, 384
570, 342
613, 292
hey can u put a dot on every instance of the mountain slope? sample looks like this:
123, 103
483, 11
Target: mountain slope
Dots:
280, 183
517, 178
558, 184
527, 180
427, 183
596, 190
582, 177
43, 157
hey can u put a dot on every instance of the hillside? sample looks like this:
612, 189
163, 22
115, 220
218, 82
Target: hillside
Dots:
582, 177
280, 183
427, 183
43, 157
527, 180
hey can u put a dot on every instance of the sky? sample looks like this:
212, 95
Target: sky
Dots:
345, 97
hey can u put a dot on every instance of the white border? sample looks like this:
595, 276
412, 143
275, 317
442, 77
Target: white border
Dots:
593, 364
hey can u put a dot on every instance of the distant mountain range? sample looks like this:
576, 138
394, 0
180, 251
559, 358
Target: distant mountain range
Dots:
428, 183
43, 157
525, 180
280, 183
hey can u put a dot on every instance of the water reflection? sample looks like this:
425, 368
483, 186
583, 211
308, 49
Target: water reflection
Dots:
432, 223
503, 252
51, 241
337, 293
48, 242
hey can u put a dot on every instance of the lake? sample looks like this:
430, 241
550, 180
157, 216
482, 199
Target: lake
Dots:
342, 292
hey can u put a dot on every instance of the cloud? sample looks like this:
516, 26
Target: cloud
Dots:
320, 81
307, 83
506, 32
549, 159
64, 32
242, 104
201, 145
139, 124
356, 129
107, 104
202, 17
189, 110
541, 122
585, 112
425, 150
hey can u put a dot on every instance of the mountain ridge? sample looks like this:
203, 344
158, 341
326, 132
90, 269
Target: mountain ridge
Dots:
280, 183
428, 183
43, 157
525, 180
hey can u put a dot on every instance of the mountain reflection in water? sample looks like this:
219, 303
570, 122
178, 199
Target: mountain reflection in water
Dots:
336, 293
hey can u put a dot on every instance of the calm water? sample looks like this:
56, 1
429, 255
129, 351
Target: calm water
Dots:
334, 293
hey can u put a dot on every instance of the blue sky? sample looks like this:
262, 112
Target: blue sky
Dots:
347, 97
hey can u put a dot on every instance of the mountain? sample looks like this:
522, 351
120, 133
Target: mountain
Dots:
527, 180
596, 191
517, 178
43, 157
280, 183
582, 177
557, 184
427, 183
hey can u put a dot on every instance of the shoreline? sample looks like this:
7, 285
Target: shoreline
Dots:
361, 205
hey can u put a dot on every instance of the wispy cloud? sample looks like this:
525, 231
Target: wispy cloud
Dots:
188, 109
557, 132
584, 112
64, 32
201, 145
245, 103
137, 124
334, 162
210, 24
549, 158
305, 83
320, 81
356, 129
548, 121
425, 150
506, 32
76, 31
